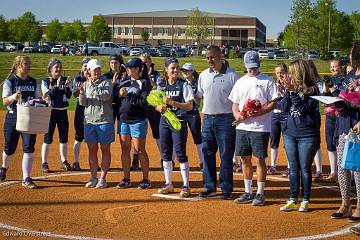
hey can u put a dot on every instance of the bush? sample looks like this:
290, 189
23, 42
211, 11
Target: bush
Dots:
232, 54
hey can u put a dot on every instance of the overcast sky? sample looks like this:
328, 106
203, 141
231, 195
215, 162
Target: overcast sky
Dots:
273, 13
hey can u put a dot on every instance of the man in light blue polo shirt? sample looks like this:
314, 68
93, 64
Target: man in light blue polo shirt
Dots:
214, 86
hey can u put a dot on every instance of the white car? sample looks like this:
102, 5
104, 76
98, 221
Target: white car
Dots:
136, 52
56, 49
263, 53
313, 54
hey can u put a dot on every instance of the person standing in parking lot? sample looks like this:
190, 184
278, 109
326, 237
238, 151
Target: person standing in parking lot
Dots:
214, 86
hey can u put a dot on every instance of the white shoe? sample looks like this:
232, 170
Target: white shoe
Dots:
92, 182
101, 184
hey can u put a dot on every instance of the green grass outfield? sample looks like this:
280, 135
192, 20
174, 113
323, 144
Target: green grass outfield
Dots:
72, 65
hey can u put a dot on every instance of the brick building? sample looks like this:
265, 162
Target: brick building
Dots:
169, 27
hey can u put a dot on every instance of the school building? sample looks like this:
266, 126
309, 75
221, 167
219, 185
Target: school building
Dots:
168, 27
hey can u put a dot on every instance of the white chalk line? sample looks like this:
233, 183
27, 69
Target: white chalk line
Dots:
340, 232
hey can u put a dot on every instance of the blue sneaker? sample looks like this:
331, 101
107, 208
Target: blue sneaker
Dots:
28, 182
45, 167
144, 184
124, 183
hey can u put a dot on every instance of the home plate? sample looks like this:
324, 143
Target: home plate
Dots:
175, 197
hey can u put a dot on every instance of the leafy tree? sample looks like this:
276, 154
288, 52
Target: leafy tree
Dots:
251, 43
53, 31
28, 29
68, 33
4, 29
144, 35
79, 31
355, 20
198, 24
99, 30
13, 28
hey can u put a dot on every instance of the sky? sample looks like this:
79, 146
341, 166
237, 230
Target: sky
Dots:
273, 13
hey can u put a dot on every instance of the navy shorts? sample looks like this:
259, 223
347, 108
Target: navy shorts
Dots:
60, 119
154, 121
11, 137
79, 123
251, 143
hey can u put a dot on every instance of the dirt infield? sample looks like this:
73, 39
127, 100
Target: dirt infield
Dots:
63, 208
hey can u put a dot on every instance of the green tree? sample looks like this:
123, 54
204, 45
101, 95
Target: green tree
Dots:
26, 28
4, 29
144, 35
13, 28
53, 31
355, 22
79, 31
98, 30
68, 33
198, 24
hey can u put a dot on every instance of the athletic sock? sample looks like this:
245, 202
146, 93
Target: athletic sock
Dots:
27, 162
5, 160
260, 188
248, 186
234, 159
45, 152
63, 152
77, 147
333, 161
184, 169
200, 152
318, 161
273, 155
168, 168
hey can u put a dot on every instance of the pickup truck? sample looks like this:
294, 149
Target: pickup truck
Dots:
104, 48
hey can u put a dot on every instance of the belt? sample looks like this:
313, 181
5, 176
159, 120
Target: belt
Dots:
218, 115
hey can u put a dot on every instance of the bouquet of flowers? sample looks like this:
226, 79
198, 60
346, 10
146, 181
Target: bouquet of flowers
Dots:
155, 98
352, 93
250, 107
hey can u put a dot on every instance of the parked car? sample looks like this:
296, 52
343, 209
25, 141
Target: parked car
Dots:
263, 53
271, 53
136, 52
2, 46
164, 52
104, 48
180, 52
293, 56
334, 54
56, 48
154, 52
31, 48
279, 55
44, 49
124, 49
14, 46
313, 54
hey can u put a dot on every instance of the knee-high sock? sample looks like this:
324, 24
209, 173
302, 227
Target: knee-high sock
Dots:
333, 161
234, 159
64, 152
168, 168
77, 147
27, 162
45, 152
248, 186
158, 144
273, 155
5, 160
184, 169
318, 161
200, 153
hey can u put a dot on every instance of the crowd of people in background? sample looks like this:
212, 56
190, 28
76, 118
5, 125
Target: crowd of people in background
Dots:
119, 97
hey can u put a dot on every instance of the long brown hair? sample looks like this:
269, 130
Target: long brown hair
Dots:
301, 72
17, 62
355, 55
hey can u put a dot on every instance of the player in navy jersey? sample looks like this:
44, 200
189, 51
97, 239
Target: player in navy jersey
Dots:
19, 87
79, 116
133, 119
57, 89
193, 117
179, 98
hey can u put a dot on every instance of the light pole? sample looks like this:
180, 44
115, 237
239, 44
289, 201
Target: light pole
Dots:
329, 10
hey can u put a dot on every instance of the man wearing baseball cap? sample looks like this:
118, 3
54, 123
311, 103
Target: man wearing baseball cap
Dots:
96, 97
253, 130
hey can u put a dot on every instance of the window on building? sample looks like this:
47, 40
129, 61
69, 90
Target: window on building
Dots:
149, 30
166, 31
130, 31
211, 31
122, 31
115, 31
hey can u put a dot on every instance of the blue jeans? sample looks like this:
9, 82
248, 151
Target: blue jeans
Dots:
217, 132
300, 152
330, 133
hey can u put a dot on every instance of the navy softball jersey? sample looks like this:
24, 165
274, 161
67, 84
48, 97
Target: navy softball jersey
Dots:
29, 90
193, 117
79, 111
180, 91
59, 102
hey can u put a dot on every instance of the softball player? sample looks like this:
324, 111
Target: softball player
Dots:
79, 116
179, 98
133, 121
18, 87
57, 89
193, 117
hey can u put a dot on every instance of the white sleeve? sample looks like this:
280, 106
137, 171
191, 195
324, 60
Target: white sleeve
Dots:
234, 94
188, 93
6, 89
44, 87
37, 92
273, 91
200, 91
